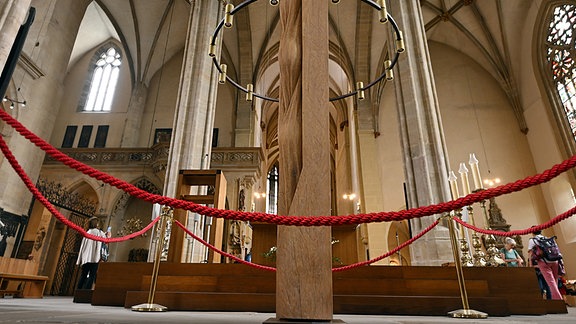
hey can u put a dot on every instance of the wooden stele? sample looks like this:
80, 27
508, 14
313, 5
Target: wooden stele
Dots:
304, 259
187, 179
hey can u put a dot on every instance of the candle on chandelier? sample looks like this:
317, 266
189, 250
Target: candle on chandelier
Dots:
453, 185
475, 172
464, 177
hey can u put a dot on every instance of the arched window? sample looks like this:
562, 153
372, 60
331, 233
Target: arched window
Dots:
561, 55
105, 69
272, 191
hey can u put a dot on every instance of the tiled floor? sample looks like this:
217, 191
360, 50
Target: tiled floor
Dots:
63, 310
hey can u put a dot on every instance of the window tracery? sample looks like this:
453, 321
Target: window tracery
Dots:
105, 70
561, 54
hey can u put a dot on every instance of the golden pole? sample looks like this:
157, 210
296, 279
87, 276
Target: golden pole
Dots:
150, 306
466, 312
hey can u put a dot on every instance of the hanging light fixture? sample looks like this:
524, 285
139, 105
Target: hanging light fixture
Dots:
14, 102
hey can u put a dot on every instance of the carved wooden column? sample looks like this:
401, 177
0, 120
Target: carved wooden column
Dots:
304, 259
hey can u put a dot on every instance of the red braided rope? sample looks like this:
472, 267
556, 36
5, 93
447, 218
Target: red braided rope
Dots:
337, 269
38, 195
226, 254
291, 220
389, 253
565, 215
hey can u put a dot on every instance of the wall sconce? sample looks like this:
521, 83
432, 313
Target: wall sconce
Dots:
492, 182
350, 196
259, 194
335, 1
14, 102
274, 2
360, 89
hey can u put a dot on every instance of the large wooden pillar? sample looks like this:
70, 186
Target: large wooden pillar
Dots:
304, 258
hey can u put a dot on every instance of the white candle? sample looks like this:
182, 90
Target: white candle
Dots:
453, 185
475, 172
464, 177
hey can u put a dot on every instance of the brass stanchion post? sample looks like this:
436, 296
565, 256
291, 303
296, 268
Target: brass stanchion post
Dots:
150, 306
466, 312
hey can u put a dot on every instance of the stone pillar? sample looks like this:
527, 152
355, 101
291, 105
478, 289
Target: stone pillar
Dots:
192, 129
304, 258
12, 15
56, 40
134, 116
421, 135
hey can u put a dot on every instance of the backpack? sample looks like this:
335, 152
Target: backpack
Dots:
104, 252
546, 248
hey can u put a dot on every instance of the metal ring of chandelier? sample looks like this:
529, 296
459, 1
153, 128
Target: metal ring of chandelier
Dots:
384, 16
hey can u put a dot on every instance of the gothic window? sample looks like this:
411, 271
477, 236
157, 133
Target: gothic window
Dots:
560, 56
104, 72
272, 191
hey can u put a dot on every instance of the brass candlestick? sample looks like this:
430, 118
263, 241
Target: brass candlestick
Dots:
479, 256
494, 259
465, 257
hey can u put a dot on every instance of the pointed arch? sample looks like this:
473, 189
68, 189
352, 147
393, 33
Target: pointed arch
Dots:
556, 54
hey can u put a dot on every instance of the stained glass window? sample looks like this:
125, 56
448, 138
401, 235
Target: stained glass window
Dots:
561, 53
106, 70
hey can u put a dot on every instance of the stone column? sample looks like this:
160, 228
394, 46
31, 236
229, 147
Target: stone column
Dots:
134, 116
56, 40
193, 122
421, 135
304, 258
12, 16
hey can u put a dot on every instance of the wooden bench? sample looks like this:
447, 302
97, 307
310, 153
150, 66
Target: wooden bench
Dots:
22, 285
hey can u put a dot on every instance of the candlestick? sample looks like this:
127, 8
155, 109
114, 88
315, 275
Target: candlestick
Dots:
453, 185
464, 177
475, 172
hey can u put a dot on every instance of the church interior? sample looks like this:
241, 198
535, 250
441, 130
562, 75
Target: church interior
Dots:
154, 93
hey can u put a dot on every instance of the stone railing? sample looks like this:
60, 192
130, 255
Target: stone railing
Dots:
156, 157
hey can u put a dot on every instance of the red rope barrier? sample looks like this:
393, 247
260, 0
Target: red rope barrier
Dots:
389, 253
291, 220
337, 269
226, 254
38, 195
565, 215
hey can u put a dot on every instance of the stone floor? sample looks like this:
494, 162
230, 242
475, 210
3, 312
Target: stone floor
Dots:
63, 310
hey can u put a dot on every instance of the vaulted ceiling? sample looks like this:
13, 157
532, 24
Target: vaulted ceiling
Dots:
153, 31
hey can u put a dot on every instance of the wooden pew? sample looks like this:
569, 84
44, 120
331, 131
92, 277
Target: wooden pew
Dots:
22, 285
18, 278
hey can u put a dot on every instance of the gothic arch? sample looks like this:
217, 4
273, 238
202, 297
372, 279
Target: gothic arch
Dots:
545, 69
122, 201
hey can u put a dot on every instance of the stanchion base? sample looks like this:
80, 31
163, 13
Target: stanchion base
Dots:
149, 308
274, 320
467, 313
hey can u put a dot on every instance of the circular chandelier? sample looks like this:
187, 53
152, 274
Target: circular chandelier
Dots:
383, 16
